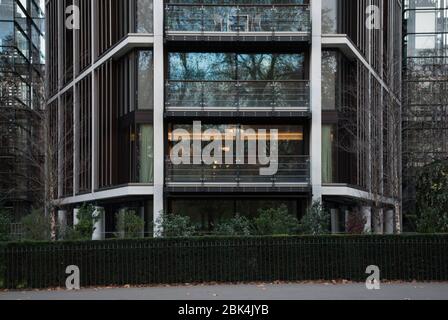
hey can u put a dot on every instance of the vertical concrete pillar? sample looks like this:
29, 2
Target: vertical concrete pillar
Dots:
346, 212
334, 221
94, 102
75, 217
99, 226
62, 222
159, 107
367, 214
142, 216
389, 222
316, 99
119, 229
378, 221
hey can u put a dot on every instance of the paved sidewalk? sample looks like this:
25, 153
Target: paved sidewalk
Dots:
412, 291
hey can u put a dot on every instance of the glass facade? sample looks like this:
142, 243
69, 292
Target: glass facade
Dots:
339, 115
237, 80
207, 213
144, 16
293, 154
425, 90
22, 50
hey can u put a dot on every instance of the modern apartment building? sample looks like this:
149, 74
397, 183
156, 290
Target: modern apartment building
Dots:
139, 77
21, 104
425, 107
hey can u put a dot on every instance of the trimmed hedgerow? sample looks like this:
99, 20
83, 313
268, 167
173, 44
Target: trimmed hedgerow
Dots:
225, 259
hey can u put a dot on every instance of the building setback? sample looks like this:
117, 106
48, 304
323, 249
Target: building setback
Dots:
425, 108
22, 101
127, 86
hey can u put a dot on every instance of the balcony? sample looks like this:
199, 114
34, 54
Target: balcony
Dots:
245, 22
238, 98
293, 171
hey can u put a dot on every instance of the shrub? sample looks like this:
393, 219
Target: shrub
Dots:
275, 221
173, 226
316, 220
36, 226
238, 226
432, 198
129, 225
431, 220
5, 223
86, 223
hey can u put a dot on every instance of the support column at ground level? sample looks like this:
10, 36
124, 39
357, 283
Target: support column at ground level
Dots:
75, 217
366, 213
62, 221
346, 212
142, 216
99, 226
378, 221
389, 222
316, 100
335, 221
159, 107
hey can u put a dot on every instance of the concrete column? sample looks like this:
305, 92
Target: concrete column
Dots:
62, 222
334, 221
119, 230
316, 99
94, 102
75, 217
142, 216
98, 233
389, 222
346, 213
367, 214
159, 106
378, 222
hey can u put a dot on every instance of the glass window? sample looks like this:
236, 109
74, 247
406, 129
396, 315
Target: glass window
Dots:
201, 66
329, 16
144, 16
6, 34
230, 66
206, 214
329, 80
270, 66
6, 10
327, 153
145, 80
146, 153
22, 43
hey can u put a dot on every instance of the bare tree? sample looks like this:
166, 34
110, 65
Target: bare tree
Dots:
369, 130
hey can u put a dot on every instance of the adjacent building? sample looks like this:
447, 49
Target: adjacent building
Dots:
425, 107
22, 49
138, 77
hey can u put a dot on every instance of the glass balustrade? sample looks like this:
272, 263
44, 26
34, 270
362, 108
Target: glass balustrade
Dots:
240, 18
230, 95
291, 169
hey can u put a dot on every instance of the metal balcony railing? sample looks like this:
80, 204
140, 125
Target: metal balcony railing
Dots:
238, 95
237, 18
291, 170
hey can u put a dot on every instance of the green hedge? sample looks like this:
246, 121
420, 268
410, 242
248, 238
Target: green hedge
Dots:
161, 261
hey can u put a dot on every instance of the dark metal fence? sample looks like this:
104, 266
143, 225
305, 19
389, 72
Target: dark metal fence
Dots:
160, 261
